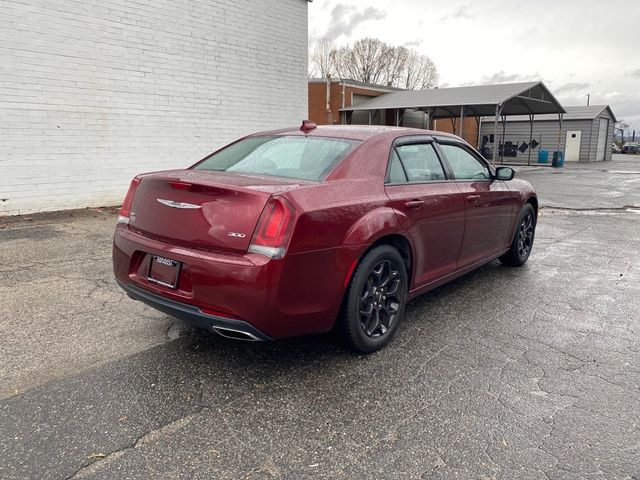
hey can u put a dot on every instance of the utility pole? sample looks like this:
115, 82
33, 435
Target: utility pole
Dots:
588, 99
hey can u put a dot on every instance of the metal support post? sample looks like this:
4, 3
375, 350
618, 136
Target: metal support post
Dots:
530, 138
494, 157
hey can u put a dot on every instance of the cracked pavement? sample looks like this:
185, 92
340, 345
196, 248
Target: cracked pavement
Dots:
530, 373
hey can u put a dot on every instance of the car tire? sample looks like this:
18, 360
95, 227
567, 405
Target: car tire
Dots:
522, 244
375, 301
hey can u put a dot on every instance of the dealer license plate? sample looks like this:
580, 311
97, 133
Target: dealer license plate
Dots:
164, 271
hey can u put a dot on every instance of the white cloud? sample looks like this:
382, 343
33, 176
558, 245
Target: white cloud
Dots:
503, 77
571, 87
463, 12
345, 19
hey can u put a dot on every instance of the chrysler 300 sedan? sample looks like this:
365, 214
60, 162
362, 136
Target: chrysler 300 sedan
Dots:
301, 231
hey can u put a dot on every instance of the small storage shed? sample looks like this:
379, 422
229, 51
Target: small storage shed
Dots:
586, 136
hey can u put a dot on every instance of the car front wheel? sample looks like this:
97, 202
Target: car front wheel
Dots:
522, 243
375, 300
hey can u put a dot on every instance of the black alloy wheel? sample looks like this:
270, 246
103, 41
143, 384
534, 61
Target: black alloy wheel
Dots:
523, 238
380, 299
525, 235
374, 303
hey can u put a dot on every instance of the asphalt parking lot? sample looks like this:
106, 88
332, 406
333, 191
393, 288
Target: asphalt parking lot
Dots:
505, 373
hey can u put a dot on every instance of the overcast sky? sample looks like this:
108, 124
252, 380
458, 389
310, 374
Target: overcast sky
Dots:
576, 47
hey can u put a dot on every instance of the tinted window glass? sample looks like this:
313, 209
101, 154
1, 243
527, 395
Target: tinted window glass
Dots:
305, 158
420, 162
464, 165
396, 172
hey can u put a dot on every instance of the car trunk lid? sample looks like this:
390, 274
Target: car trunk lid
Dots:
203, 209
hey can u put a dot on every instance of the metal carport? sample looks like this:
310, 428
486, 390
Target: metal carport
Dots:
502, 100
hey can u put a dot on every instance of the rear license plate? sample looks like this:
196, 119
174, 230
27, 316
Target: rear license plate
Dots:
164, 271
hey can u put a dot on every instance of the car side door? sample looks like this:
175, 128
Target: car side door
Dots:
489, 202
429, 206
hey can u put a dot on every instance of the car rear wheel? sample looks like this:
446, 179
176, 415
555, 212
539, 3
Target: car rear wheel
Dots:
522, 243
375, 300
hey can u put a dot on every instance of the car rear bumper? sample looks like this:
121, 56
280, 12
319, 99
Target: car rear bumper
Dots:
294, 296
194, 316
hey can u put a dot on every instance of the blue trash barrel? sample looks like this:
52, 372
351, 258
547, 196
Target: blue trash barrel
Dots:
543, 156
558, 159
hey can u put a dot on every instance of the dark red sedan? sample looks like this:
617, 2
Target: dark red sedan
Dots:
296, 232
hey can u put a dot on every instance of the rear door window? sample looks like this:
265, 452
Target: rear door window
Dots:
420, 162
396, 170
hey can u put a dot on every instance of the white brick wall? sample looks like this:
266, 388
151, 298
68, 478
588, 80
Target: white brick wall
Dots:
92, 93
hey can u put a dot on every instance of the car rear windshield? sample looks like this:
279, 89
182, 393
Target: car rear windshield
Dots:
304, 158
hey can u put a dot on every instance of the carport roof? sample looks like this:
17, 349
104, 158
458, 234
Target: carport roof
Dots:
579, 112
481, 100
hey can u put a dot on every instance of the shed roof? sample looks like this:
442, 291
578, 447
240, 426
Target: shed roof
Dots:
516, 99
577, 112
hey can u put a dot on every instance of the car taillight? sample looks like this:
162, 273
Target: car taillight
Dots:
274, 229
125, 209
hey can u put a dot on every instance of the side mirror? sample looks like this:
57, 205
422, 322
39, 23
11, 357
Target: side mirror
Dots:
505, 173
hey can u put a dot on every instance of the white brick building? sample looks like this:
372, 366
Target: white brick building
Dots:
92, 93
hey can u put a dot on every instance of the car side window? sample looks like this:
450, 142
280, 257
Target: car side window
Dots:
465, 166
396, 172
421, 162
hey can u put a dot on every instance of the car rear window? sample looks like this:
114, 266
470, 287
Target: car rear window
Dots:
304, 158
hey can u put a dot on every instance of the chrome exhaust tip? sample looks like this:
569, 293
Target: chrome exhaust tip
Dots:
235, 334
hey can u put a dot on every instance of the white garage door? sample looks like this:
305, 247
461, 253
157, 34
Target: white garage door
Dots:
602, 139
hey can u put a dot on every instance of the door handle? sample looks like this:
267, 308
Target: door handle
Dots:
414, 203
473, 198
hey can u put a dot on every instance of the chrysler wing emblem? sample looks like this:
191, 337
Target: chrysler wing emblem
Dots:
174, 204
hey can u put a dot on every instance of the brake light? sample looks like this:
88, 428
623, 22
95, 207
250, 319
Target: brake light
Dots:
125, 209
180, 185
274, 229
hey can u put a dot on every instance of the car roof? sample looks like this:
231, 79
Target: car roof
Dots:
355, 132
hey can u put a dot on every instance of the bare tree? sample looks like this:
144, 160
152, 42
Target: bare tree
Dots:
364, 61
396, 65
321, 62
371, 60
420, 72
